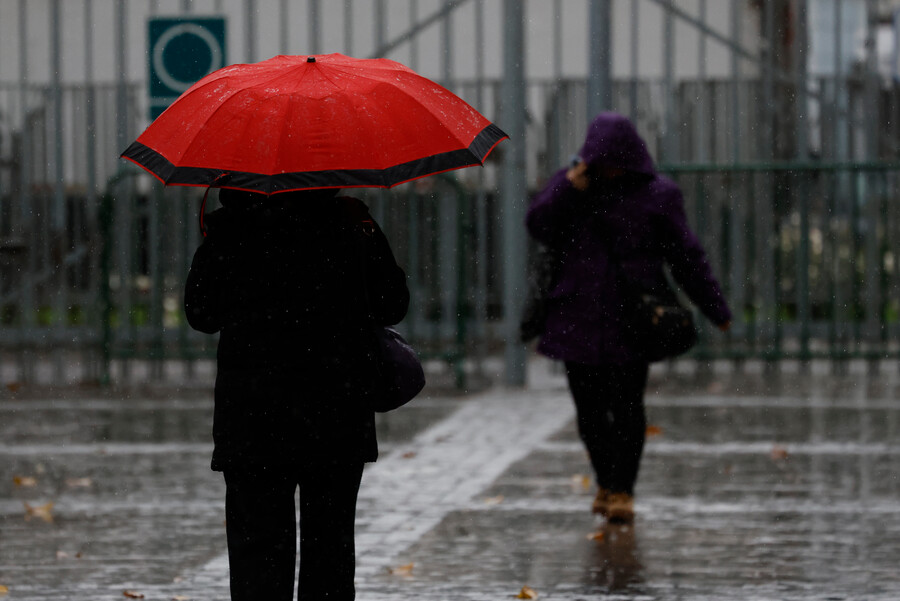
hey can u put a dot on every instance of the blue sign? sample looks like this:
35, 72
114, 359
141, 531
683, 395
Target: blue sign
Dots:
182, 51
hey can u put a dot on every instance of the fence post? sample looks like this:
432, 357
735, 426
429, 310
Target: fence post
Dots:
600, 56
514, 192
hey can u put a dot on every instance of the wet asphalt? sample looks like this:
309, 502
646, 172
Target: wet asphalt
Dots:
756, 487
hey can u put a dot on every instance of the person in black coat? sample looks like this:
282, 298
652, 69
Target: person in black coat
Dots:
293, 284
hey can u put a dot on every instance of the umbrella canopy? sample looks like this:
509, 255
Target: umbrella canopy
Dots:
305, 122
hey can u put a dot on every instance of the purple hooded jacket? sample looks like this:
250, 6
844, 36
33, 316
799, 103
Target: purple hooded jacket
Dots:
636, 221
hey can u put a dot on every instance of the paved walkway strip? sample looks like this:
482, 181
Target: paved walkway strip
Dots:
409, 490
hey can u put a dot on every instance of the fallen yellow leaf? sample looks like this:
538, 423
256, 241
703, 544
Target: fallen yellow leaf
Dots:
132, 595
3, 590
42, 512
25, 481
598, 535
527, 593
404, 570
654, 430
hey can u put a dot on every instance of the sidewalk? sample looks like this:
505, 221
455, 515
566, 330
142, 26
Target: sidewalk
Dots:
751, 489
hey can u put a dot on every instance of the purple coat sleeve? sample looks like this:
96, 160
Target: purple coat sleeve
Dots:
687, 259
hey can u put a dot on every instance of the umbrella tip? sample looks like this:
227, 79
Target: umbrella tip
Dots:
310, 59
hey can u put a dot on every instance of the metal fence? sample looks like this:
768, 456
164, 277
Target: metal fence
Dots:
790, 176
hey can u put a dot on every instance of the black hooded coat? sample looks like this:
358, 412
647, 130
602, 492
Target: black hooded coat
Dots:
293, 284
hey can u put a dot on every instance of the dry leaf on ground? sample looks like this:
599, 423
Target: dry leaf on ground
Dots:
181, 598
132, 595
654, 431
779, 453
79, 482
41, 512
527, 593
404, 570
598, 535
493, 500
25, 481
3, 590
581, 481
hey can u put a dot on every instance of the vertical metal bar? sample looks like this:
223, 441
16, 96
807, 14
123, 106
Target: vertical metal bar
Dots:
767, 110
634, 65
871, 124
855, 275
514, 189
481, 213
801, 75
800, 78
448, 270
670, 140
737, 222
700, 113
557, 64
348, 26
764, 204
124, 199
414, 41
154, 235
554, 124
839, 190
735, 83
250, 30
313, 20
600, 58
284, 26
59, 243
413, 257
90, 150
380, 24
26, 218
446, 59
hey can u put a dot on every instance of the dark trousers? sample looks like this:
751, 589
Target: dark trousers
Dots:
262, 532
609, 401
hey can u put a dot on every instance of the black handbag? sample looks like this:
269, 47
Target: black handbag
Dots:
664, 329
399, 373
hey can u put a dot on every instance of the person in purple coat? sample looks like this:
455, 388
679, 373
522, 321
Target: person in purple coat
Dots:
614, 222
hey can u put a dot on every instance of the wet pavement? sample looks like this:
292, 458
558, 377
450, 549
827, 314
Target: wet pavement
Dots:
755, 487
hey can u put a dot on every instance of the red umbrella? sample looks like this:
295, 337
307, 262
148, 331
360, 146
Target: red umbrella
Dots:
304, 122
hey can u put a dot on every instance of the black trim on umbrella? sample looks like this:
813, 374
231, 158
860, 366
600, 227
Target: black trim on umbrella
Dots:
170, 174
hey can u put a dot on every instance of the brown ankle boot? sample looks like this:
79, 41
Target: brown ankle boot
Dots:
601, 501
619, 508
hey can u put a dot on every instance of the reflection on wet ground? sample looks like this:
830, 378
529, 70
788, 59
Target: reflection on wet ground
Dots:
783, 488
